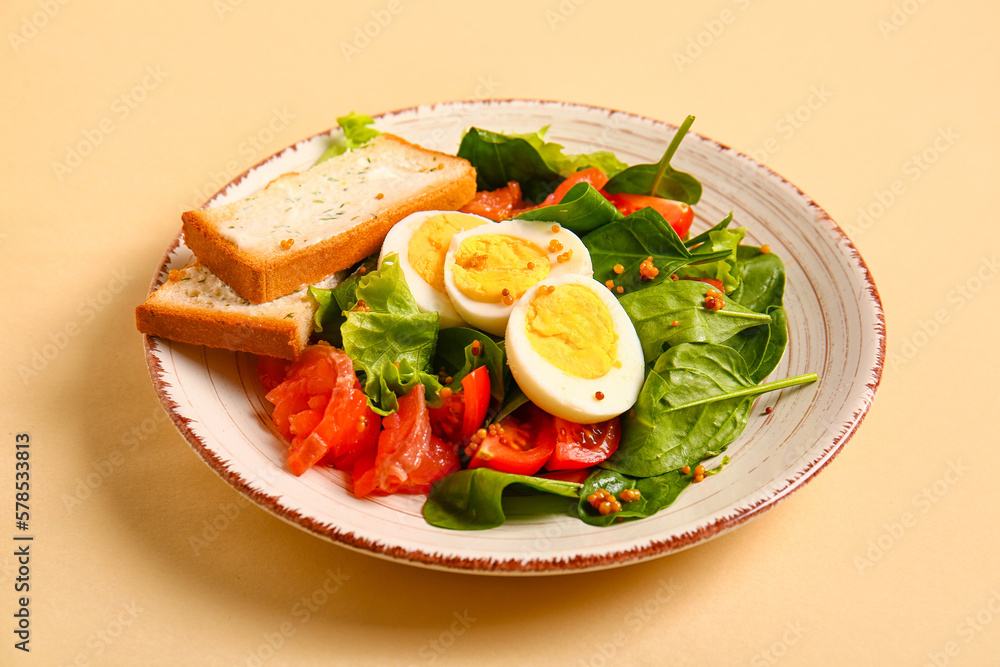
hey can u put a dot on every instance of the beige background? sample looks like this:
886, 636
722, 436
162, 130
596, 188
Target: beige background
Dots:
888, 557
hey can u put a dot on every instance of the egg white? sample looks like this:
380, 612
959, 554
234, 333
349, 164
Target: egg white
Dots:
428, 299
564, 395
492, 317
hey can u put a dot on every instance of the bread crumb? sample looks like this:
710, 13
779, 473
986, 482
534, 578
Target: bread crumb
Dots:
176, 275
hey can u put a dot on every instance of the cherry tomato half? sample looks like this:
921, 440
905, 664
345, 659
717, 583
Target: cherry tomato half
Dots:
583, 445
463, 412
678, 214
521, 442
591, 175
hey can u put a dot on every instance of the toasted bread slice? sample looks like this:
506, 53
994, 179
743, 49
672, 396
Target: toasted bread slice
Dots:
304, 226
194, 306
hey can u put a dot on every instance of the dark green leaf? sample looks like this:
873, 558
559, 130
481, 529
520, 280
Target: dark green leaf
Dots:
472, 499
499, 159
660, 180
582, 210
695, 401
657, 492
454, 352
630, 241
762, 279
564, 164
654, 310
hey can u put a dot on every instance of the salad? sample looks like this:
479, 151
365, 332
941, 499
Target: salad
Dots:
563, 334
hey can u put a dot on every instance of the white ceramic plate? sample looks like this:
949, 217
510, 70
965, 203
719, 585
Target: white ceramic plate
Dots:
836, 328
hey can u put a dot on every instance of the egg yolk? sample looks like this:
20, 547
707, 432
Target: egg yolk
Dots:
488, 264
571, 328
429, 245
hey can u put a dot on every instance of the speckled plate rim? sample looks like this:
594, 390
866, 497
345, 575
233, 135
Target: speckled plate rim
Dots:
655, 547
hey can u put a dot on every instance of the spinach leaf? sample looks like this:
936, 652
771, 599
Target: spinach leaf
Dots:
356, 132
454, 353
471, 499
634, 238
657, 493
762, 278
722, 269
513, 399
653, 312
582, 210
564, 164
694, 402
392, 341
762, 286
499, 158
660, 180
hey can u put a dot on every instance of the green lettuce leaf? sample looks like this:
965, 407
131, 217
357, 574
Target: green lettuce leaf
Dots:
723, 269
356, 132
392, 342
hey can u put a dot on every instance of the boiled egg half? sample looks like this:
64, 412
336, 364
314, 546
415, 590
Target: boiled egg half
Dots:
422, 240
488, 268
574, 351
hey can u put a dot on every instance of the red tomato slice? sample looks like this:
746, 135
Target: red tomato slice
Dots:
500, 204
409, 457
521, 443
678, 214
583, 445
717, 284
463, 412
591, 175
